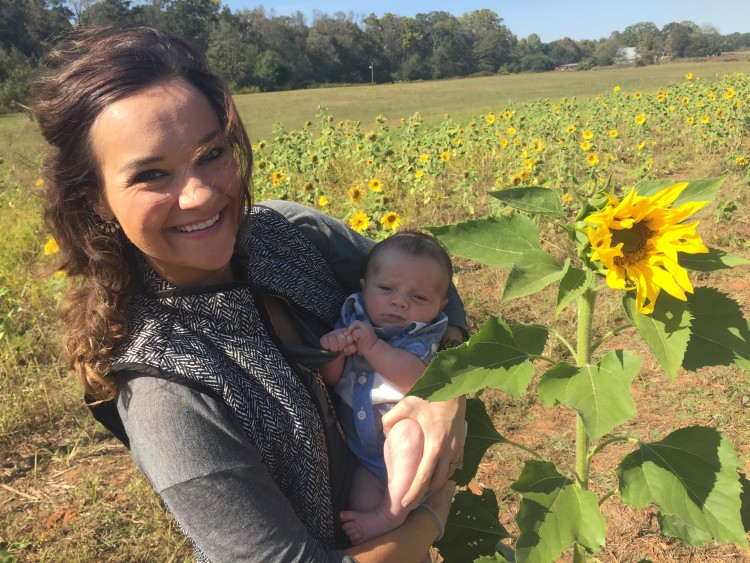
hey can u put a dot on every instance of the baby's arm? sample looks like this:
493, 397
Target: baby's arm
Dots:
399, 367
337, 340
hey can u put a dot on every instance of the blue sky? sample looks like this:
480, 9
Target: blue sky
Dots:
550, 19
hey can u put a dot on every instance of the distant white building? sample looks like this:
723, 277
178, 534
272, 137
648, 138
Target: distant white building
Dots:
625, 55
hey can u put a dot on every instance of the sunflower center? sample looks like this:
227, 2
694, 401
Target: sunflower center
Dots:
633, 243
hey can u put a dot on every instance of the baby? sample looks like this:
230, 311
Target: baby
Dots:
388, 333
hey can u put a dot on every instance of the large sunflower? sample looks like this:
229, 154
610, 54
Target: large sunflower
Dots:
637, 240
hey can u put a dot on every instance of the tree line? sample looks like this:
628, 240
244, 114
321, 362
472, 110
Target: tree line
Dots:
257, 50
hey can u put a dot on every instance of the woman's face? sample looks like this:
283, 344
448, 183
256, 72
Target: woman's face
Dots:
169, 178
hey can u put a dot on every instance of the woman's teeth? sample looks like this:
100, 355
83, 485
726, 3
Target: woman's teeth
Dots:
199, 226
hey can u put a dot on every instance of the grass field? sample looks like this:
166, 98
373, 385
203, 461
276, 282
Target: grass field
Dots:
68, 492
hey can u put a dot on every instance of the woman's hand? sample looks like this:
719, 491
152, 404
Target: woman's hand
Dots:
444, 434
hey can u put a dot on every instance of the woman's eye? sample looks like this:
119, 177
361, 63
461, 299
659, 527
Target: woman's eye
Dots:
212, 154
147, 176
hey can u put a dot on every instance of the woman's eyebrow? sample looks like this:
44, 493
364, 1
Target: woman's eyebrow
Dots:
139, 163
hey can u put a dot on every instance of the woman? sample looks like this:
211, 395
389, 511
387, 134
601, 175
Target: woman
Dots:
197, 316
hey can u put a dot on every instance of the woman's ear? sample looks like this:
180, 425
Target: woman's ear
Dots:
99, 204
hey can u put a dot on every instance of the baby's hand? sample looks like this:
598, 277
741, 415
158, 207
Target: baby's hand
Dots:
364, 336
339, 340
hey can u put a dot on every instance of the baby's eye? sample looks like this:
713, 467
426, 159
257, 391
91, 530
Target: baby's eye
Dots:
420, 298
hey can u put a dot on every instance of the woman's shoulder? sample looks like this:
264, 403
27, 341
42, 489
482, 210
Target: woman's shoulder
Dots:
179, 431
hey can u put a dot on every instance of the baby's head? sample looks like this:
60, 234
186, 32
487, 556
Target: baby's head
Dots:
407, 277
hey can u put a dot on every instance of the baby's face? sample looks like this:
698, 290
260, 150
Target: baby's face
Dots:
400, 289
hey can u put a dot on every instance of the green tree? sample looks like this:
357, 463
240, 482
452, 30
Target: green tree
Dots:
191, 19
230, 54
271, 72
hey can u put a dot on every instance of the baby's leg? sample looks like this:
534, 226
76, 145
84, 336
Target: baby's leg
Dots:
403, 452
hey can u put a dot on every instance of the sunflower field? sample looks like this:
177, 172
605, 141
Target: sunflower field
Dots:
586, 196
386, 174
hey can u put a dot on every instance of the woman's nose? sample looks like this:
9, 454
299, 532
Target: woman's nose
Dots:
195, 192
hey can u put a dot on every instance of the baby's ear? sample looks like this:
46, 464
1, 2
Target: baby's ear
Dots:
443, 303
362, 283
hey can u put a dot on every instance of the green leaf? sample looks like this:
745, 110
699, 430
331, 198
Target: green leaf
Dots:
573, 283
496, 241
472, 529
666, 331
531, 338
490, 358
720, 334
480, 435
690, 475
696, 190
675, 527
600, 393
711, 261
534, 270
532, 199
554, 514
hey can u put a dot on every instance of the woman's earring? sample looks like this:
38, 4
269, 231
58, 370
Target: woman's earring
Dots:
111, 226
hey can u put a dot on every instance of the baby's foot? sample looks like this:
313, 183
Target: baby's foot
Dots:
362, 526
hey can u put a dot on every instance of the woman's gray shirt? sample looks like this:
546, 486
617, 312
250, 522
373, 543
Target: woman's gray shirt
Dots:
201, 462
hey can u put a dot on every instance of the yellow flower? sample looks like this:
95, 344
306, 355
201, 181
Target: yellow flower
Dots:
641, 145
685, 101
39, 182
640, 119
729, 94
585, 145
490, 118
530, 163
390, 221
616, 89
688, 76
538, 145
567, 198
356, 194
371, 136
444, 156
51, 246
322, 201
690, 120
359, 221
705, 119
457, 142
587, 134
507, 114
277, 177
741, 161
637, 95
379, 119
418, 174
261, 164
592, 158
512, 131
614, 133
313, 158
375, 185
423, 158
571, 129
504, 142
637, 240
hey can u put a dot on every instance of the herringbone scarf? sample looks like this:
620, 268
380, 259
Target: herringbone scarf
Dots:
219, 338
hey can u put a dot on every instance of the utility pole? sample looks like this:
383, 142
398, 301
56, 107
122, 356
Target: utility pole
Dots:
372, 73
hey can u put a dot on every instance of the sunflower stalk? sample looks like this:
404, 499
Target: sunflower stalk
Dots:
640, 244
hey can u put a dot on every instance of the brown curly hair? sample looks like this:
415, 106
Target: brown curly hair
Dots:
86, 72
